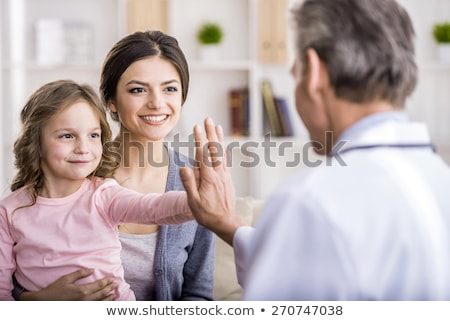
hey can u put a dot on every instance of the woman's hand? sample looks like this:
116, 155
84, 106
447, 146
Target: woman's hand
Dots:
65, 289
209, 186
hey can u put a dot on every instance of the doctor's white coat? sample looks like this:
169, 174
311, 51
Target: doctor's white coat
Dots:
376, 228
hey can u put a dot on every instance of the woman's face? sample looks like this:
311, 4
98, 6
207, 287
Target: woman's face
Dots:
148, 99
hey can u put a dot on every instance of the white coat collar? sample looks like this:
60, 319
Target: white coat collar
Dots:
387, 133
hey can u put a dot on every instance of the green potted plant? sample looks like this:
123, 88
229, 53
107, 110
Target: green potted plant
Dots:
441, 34
209, 37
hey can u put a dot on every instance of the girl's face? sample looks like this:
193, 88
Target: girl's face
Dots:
148, 99
71, 145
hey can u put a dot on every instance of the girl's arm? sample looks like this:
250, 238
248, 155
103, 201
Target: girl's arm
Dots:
123, 205
7, 261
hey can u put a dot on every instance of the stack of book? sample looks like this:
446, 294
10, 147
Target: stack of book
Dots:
239, 112
276, 112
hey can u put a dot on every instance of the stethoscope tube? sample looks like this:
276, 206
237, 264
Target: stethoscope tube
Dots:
359, 147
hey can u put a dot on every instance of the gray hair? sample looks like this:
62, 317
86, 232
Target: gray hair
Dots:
366, 45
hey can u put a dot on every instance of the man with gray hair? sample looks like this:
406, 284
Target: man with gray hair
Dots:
373, 227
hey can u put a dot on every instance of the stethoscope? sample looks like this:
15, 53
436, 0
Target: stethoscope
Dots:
359, 147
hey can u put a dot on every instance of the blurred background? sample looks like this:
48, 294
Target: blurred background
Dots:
45, 40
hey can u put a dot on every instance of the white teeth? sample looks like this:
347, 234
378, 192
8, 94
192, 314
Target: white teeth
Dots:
154, 118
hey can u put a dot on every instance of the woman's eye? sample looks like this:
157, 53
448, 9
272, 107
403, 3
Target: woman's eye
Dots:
137, 90
172, 89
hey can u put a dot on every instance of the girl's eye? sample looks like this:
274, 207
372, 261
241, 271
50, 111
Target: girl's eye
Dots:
137, 90
66, 136
95, 135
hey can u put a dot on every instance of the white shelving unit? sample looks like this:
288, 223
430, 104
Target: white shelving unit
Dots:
238, 66
210, 82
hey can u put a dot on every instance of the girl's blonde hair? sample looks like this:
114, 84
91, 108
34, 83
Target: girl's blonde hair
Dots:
43, 104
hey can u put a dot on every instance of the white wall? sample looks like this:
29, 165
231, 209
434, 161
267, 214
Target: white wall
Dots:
431, 101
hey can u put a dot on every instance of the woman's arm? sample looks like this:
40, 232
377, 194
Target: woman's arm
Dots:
65, 289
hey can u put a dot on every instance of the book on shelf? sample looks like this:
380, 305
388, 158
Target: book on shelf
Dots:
287, 128
270, 108
277, 118
239, 112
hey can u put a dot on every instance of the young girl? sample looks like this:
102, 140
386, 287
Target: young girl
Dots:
64, 210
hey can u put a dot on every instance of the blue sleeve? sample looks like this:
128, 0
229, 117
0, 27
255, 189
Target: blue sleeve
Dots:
198, 271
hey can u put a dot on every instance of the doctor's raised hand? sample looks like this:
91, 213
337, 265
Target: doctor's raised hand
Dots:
209, 186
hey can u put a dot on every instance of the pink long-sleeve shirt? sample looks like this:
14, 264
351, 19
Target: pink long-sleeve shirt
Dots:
57, 236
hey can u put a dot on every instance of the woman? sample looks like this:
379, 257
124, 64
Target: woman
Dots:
144, 83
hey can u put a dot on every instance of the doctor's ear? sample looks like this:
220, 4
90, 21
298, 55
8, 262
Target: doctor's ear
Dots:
315, 72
